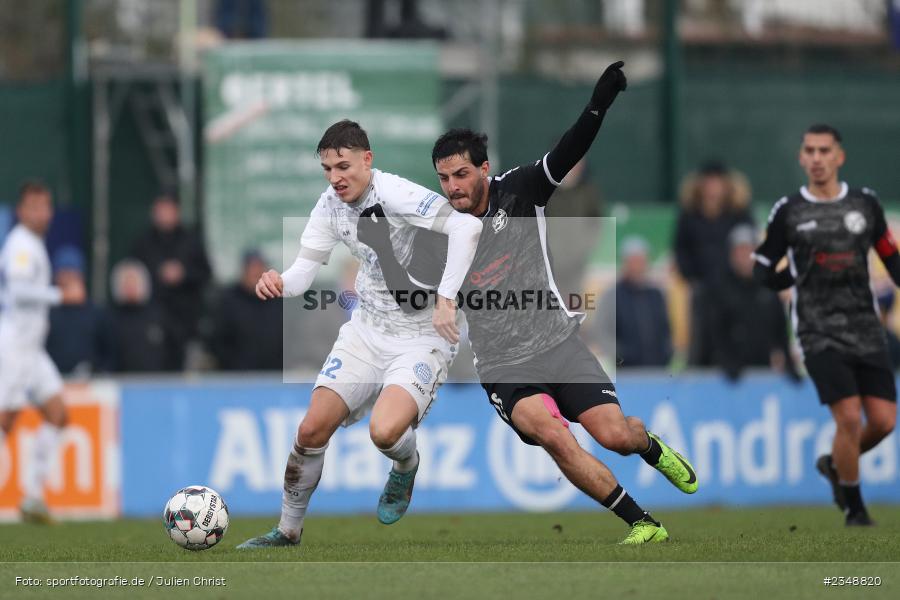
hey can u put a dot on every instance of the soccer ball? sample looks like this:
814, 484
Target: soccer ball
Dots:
196, 517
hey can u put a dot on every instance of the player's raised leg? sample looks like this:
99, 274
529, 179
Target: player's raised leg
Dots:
627, 435
391, 429
327, 410
533, 418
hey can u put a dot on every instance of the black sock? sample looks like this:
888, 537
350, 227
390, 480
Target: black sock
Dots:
625, 507
854, 498
651, 455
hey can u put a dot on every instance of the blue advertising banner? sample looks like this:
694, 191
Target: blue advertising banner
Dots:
752, 443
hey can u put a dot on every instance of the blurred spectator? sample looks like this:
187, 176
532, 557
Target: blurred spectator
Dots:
80, 339
748, 319
139, 325
573, 228
409, 26
713, 202
894, 16
635, 312
247, 332
241, 19
886, 299
177, 260
627, 17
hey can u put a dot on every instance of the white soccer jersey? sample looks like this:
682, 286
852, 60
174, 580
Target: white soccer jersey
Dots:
26, 291
407, 206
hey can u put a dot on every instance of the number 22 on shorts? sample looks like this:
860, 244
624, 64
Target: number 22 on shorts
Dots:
331, 365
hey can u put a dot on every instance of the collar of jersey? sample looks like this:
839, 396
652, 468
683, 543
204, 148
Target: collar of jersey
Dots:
487, 213
810, 198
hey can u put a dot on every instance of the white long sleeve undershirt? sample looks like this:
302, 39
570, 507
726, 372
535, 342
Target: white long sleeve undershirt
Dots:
299, 275
462, 231
20, 292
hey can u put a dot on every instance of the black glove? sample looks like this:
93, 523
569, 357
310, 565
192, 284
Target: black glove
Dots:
372, 229
608, 86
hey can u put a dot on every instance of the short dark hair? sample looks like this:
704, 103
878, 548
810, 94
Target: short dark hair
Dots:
713, 168
167, 196
461, 142
824, 128
344, 134
31, 186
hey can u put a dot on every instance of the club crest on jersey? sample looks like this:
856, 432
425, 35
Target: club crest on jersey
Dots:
855, 222
500, 220
422, 372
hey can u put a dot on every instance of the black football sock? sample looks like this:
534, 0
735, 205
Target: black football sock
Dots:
853, 497
652, 453
625, 507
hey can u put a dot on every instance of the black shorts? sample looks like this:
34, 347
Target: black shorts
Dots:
838, 376
569, 373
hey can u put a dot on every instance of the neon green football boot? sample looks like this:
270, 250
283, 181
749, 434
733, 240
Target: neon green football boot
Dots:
675, 467
645, 531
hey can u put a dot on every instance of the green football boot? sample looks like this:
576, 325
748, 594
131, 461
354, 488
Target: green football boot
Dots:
645, 531
675, 467
273, 539
395, 498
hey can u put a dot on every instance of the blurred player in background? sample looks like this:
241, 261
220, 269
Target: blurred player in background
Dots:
27, 375
384, 360
534, 368
826, 230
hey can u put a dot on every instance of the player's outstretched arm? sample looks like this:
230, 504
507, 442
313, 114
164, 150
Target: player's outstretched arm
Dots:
575, 142
463, 231
372, 230
270, 285
25, 292
772, 279
771, 251
292, 282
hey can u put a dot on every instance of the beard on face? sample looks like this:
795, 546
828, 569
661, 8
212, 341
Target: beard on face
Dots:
473, 198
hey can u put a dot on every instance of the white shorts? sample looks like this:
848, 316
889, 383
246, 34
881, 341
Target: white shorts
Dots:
27, 377
363, 361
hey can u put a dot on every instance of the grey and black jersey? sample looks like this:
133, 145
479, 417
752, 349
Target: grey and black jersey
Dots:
827, 245
512, 304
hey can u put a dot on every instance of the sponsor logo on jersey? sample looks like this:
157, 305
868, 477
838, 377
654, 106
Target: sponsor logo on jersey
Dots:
835, 261
422, 372
416, 385
426, 203
493, 273
500, 220
807, 226
610, 393
855, 222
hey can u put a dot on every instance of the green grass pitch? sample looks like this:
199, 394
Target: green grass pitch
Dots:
758, 553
